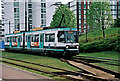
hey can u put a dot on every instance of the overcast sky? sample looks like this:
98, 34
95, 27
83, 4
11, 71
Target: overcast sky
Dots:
65, 1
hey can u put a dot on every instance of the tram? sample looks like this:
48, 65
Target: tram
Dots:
56, 41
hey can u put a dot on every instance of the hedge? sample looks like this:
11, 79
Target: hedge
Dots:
108, 44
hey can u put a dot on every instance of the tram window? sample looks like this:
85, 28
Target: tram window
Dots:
7, 39
49, 37
33, 38
10, 39
41, 38
46, 38
26, 38
36, 38
29, 38
61, 36
14, 39
20, 39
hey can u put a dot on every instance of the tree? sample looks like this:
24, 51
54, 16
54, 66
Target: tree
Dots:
99, 15
117, 22
69, 19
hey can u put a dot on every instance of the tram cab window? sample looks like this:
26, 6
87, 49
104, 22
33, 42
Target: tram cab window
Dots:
67, 36
61, 36
71, 37
49, 37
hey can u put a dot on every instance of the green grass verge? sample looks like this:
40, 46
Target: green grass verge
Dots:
97, 34
106, 54
111, 67
40, 60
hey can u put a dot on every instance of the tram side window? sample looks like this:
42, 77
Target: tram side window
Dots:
49, 37
29, 37
26, 38
36, 38
41, 38
61, 36
14, 39
33, 38
20, 39
7, 39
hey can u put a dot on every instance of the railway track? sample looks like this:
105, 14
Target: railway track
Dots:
109, 61
77, 76
72, 75
93, 69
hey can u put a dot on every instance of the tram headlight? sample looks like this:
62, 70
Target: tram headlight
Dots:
67, 47
77, 47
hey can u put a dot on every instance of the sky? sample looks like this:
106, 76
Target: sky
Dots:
65, 1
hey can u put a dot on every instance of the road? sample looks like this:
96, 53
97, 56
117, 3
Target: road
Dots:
15, 74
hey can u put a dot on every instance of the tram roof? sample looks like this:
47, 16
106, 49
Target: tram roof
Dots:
45, 30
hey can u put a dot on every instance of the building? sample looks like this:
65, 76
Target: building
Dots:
85, 5
25, 15
0, 30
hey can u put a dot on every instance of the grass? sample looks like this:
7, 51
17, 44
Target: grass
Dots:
97, 34
40, 60
111, 67
106, 54
41, 73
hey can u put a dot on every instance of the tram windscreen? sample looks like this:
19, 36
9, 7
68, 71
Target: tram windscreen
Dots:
68, 36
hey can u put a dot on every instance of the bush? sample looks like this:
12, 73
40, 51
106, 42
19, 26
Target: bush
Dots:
117, 22
102, 45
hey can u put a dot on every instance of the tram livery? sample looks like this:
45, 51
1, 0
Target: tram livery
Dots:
62, 41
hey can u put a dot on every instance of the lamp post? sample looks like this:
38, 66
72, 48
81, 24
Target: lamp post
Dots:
25, 16
77, 16
9, 27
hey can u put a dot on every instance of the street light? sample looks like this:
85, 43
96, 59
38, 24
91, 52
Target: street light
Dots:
77, 16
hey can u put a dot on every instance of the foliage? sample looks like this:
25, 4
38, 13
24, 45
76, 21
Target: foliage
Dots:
103, 45
117, 22
99, 15
96, 35
69, 19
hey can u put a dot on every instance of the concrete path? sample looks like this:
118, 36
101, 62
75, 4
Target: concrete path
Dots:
15, 74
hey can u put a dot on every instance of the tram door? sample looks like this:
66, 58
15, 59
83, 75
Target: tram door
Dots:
19, 37
28, 41
41, 41
10, 42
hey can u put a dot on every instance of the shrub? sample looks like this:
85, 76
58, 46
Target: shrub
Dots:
102, 45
